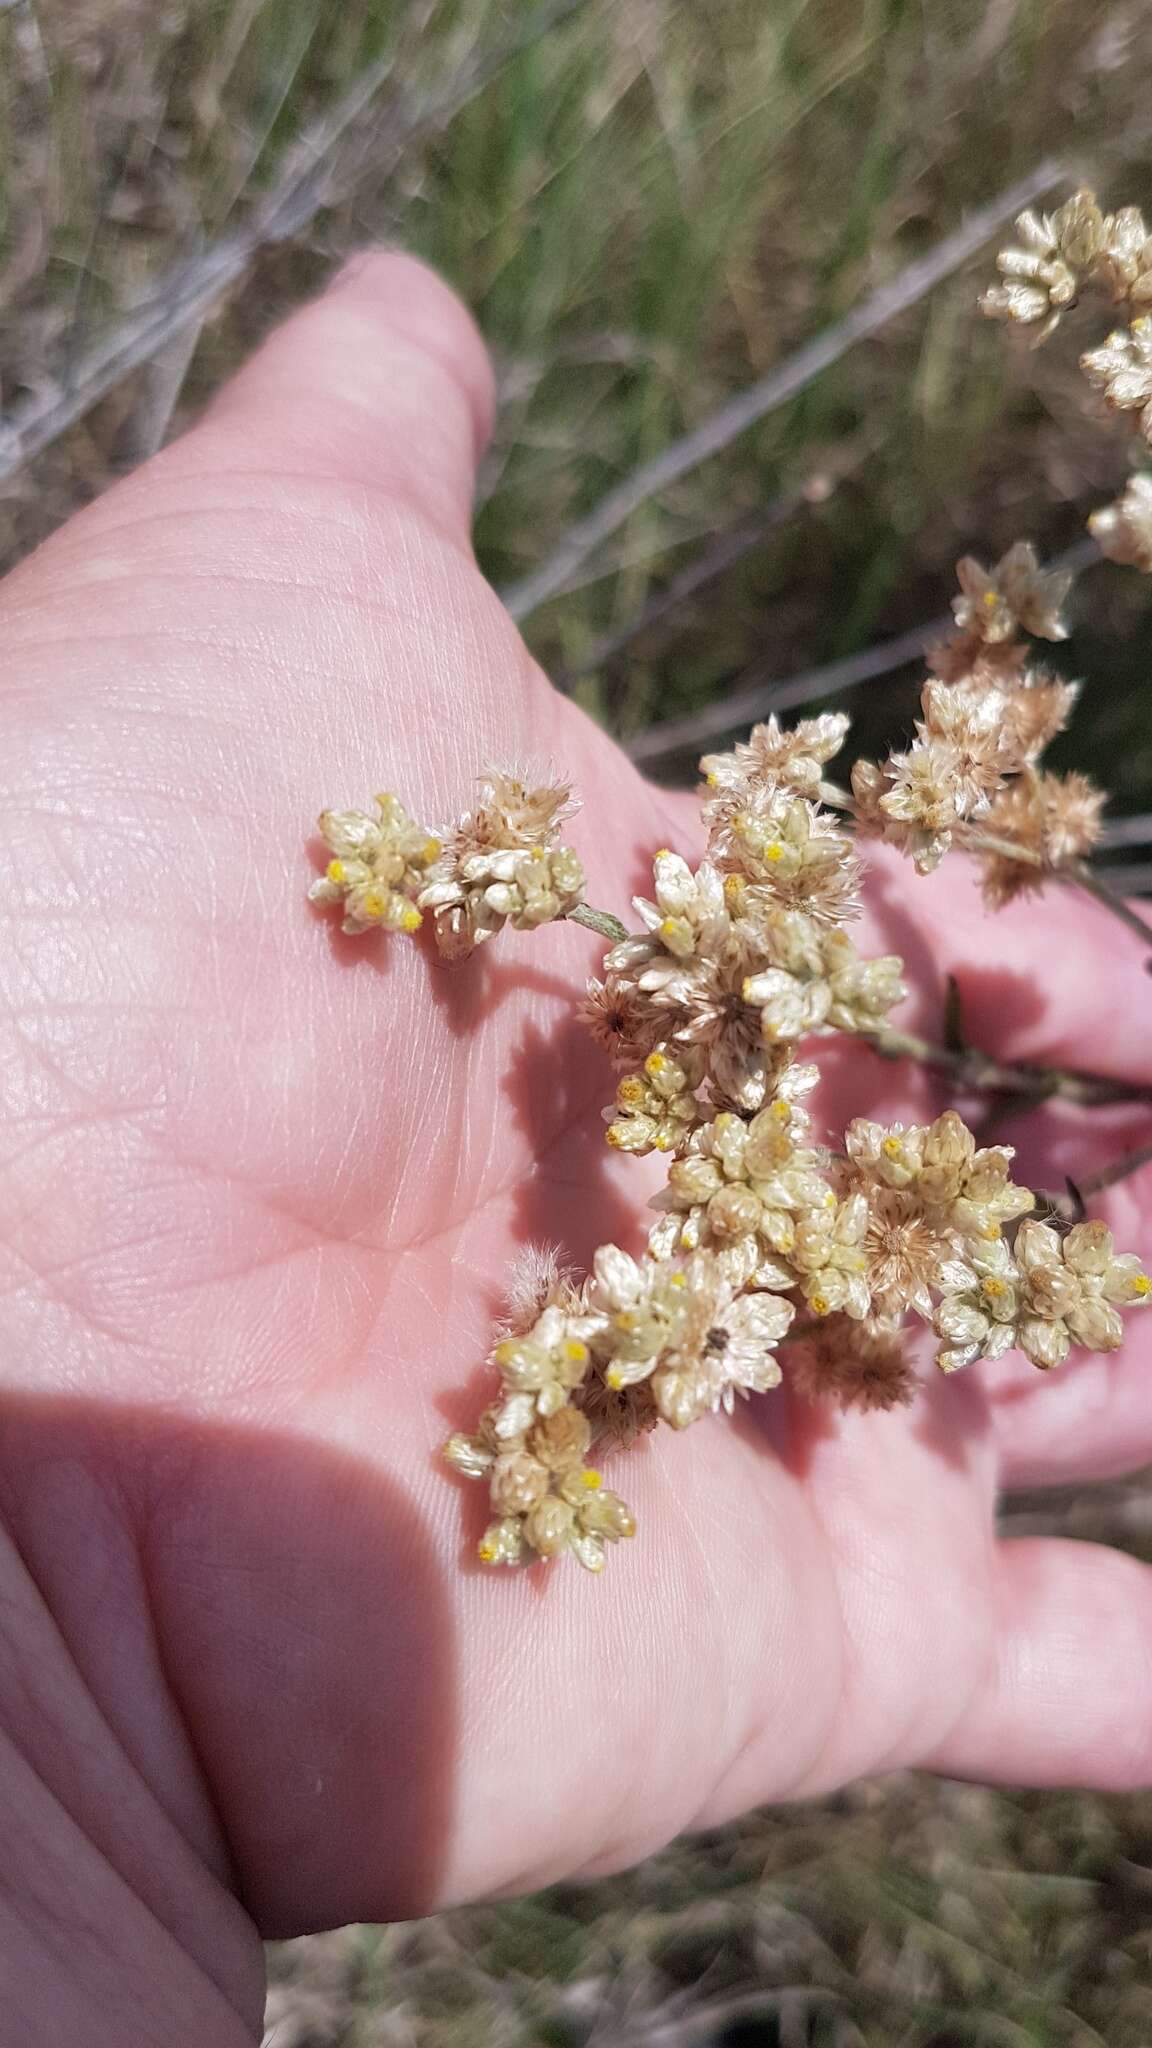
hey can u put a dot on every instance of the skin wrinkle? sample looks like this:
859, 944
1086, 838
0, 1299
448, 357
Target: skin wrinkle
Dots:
107, 526
72, 1753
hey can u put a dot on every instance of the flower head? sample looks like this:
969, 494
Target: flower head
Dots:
1050, 261
1017, 595
854, 1365
1122, 369
1051, 818
772, 760
742, 1188
502, 865
779, 851
963, 1191
378, 868
657, 1109
547, 1499
684, 1327
1123, 530
1043, 1295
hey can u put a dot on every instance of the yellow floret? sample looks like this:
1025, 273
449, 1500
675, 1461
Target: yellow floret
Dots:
576, 1351
818, 1304
892, 1147
336, 871
591, 1479
1142, 1285
411, 919
614, 1378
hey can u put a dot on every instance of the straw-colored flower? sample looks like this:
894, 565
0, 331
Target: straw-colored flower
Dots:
778, 850
657, 1109
912, 801
1048, 264
476, 897
1123, 530
686, 1329
1035, 711
502, 865
829, 1256
621, 1019
1044, 1295
963, 1191
1017, 595
772, 759
541, 1368
546, 1498
1122, 369
688, 916
696, 996
379, 866
817, 980
742, 1187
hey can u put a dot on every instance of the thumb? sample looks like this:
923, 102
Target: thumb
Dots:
383, 383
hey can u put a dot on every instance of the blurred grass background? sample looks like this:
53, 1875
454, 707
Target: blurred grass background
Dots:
649, 207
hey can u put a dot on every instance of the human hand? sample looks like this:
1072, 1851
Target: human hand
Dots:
260, 1183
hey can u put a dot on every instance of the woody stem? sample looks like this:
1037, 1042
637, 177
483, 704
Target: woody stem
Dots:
1028, 1084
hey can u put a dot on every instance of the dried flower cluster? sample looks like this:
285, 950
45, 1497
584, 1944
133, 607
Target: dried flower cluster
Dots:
972, 777
771, 1257
1076, 249
501, 864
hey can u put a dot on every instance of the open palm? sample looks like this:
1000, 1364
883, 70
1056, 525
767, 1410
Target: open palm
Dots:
261, 1182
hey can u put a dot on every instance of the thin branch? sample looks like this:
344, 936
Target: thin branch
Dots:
760, 694
971, 1068
317, 177
1071, 874
725, 551
1070, 1205
1119, 1169
601, 921
769, 393
745, 706
1129, 877
1128, 831
1077, 874
162, 381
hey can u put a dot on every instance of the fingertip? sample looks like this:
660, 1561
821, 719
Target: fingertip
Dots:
1067, 1699
399, 290
382, 382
